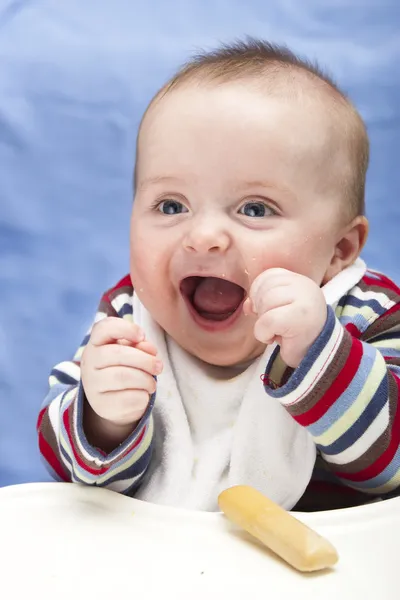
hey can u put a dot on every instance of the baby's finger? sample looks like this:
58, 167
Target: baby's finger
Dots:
268, 279
112, 329
116, 355
279, 296
148, 347
273, 324
248, 307
114, 379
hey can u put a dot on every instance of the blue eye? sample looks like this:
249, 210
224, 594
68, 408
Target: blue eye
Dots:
256, 209
171, 207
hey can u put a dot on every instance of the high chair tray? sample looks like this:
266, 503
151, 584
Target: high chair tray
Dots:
62, 540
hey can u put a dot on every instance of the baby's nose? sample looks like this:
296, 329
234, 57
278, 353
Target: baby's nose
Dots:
205, 238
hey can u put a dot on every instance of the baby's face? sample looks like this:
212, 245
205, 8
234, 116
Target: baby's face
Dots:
230, 182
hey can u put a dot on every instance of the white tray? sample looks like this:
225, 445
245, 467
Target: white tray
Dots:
68, 541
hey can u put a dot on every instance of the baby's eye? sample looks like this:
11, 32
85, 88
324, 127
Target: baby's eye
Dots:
171, 207
256, 209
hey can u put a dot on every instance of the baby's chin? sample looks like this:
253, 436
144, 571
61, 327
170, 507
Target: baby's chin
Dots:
222, 355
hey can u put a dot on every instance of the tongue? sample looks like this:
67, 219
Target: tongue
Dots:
217, 296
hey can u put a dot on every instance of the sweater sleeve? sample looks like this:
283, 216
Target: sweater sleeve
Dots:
64, 448
346, 392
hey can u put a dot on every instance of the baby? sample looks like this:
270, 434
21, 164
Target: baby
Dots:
249, 344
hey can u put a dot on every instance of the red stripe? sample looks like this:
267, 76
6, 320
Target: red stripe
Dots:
377, 282
339, 385
353, 330
382, 281
386, 457
391, 311
124, 282
81, 463
51, 458
47, 451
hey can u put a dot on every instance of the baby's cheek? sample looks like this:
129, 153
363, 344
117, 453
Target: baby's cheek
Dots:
139, 267
148, 275
267, 256
143, 259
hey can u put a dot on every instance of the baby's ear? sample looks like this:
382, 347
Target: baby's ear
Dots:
348, 247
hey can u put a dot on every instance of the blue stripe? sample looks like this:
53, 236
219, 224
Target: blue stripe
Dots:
83, 344
389, 352
137, 468
359, 303
382, 478
63, 378
360, 426
85, 340
342, 302
348, 397
66, 456
387, 336
126, 309
55, 391
303, 369
358, 320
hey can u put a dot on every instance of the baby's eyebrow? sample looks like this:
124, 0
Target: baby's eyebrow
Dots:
258, 183
255, 183
156, 180
271, 185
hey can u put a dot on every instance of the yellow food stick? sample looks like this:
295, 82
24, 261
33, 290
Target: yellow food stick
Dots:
282, 533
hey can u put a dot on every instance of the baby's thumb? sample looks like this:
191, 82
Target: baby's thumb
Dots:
248, 307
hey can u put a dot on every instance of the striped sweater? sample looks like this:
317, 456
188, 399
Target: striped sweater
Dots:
345, 392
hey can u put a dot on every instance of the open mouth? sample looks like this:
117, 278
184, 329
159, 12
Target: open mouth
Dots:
212, 299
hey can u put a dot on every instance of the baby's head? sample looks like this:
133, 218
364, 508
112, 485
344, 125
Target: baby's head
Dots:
248, 159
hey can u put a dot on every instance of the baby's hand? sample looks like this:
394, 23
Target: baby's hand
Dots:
117, 371
291, 311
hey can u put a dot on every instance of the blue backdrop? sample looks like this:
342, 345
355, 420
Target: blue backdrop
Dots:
74, 80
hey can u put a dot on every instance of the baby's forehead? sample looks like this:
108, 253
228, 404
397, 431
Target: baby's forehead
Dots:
189, 126
296, 125
302, 98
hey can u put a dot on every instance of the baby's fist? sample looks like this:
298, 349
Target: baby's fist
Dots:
117, 369
291, 310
